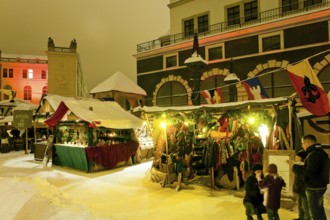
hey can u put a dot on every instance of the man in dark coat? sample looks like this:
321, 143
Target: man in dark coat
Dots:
316, 176
253, 200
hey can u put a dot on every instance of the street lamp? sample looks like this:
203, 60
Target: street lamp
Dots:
196, 64
232, 79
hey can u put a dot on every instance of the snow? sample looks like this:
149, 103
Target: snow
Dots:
30, 191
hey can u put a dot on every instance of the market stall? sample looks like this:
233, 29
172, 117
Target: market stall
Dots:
220, 140
91, 135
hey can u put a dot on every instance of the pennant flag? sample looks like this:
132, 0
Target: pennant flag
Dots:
254, 89
309, 88
212, 96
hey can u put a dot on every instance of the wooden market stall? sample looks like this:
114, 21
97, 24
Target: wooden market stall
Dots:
92, 135
227, 128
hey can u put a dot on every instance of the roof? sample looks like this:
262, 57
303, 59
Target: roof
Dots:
98, 113
218, 107
118, 82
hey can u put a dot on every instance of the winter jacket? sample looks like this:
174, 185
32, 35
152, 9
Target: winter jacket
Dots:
299, 182
316, 167
272, 184
252, 191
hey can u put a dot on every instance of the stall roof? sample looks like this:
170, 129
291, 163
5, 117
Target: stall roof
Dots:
102, 114
119, 82
220, 106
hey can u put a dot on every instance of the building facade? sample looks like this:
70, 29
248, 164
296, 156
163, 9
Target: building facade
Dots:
26, 75
248, 38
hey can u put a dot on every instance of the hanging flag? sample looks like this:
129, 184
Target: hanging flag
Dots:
254, 89
309, 88
212, 96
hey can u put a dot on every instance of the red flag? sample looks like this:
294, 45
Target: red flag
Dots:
212, 96
309, 88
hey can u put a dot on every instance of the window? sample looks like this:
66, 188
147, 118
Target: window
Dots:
189, 27
44, 90
4, 72
233, 15
43, 74
251, 11
289, 5
11, 73
27, 93
25, 74
172, 93
30, 73
201, 22
214, 52
271, 41
170, 60
311, 2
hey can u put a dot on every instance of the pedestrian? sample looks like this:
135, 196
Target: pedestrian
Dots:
297, 168
316, 176
253, 199
272, 186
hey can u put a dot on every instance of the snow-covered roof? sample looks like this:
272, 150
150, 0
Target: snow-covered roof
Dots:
106, 114
118, 82
220, 106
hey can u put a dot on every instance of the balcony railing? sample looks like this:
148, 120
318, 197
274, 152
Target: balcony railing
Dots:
23, 60
235, 24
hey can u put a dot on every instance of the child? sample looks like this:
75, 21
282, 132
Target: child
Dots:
272, 184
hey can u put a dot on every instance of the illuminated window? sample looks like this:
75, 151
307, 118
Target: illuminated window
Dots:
43, 74
30, 73
6, 97
45, 90
27, 93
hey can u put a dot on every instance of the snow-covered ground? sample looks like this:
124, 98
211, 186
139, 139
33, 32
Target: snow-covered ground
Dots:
29, 191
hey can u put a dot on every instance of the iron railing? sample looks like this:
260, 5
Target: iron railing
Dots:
235, 24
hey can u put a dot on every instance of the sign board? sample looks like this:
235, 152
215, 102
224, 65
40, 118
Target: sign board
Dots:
22, 119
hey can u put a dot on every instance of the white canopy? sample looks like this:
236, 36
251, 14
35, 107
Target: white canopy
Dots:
119, 82
98, 113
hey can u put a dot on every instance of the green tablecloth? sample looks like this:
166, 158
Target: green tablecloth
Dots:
73, 157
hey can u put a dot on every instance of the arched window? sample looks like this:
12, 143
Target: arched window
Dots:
27, 93
6, 97
165, 96
214, 82
44, 90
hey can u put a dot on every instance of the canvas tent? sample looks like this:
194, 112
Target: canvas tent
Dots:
121, 89
102, 114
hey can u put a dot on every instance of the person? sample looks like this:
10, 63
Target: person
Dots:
253, 199
316, 176
297, 168
272, 186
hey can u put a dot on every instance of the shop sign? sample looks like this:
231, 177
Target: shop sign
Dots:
22, 119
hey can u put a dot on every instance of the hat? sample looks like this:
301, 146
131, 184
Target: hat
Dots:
302, 154
256, 167
272, 168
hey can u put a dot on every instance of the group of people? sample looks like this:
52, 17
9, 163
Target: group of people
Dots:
311, 169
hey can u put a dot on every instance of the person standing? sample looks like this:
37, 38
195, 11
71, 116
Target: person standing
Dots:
299, 185
272, 186
316, 176
253, 199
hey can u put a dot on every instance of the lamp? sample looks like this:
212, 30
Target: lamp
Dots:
196, 64
231, 77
